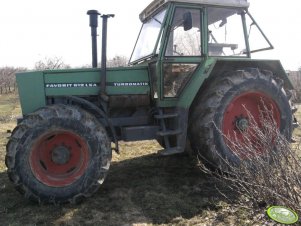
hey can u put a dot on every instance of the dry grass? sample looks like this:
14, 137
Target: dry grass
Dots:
142, 188
9, 110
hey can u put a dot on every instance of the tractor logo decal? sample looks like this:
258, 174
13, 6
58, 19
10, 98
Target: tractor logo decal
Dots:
89, 85
71, 85
127, 83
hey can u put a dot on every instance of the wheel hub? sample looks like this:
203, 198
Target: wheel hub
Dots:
59, 158
242, 124
237, 123
60, 155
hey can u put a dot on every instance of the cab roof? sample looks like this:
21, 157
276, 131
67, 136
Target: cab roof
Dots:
157, 4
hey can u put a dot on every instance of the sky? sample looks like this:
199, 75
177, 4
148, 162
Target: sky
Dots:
34, 29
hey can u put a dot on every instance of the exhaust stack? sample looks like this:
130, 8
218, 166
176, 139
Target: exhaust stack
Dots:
104, 55
93, 14
94, 24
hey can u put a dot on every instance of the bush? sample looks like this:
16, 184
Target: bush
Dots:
271, 178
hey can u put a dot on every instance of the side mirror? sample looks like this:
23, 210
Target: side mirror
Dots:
187, 21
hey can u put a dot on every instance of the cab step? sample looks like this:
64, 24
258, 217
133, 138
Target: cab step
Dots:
164, 116
169, 132
171, 151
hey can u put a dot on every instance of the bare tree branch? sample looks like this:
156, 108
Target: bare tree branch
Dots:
51, 64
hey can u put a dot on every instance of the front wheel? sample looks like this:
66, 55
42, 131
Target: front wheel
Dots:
58, 154
223, 110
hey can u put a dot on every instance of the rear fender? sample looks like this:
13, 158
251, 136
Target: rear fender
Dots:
216, 67
271, 65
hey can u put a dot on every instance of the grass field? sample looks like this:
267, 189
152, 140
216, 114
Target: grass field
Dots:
142, 188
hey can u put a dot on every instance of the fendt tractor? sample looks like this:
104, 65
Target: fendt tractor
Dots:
190, 79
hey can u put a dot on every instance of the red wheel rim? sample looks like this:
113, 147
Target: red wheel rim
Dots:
236, 117
59, 158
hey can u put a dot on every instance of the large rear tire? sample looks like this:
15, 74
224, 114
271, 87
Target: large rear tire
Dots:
221, 110
58, 154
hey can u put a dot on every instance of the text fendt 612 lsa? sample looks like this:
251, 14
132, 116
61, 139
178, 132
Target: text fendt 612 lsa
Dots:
190, 80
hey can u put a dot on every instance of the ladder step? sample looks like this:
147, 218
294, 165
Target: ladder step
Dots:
169, 132
295, 125
171, 151
171, 115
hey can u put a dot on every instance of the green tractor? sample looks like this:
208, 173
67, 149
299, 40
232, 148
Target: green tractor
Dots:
189, 80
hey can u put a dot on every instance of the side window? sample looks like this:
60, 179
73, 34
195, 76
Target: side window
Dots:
257, 40
225, 30
185, 40
176, 77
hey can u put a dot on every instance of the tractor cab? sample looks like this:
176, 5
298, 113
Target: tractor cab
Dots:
197, 28
178, 36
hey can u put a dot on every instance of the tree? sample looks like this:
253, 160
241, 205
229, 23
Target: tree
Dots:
118, 61
8, 79
51, 64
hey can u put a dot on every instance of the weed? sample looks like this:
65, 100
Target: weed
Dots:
269, 171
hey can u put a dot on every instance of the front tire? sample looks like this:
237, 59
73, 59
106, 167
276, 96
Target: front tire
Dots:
221, 110
58, 154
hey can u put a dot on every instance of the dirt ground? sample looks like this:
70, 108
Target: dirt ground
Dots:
142, 188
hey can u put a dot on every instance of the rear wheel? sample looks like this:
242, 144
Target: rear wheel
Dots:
58, 154
222, 109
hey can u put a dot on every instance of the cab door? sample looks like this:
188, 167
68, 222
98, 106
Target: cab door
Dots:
181, 53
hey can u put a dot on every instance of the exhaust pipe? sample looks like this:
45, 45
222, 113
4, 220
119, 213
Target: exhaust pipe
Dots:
94, 24
104, 55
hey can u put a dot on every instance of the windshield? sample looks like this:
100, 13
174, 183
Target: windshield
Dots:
148, 37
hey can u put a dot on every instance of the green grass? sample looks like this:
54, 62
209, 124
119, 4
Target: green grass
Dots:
142, 188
